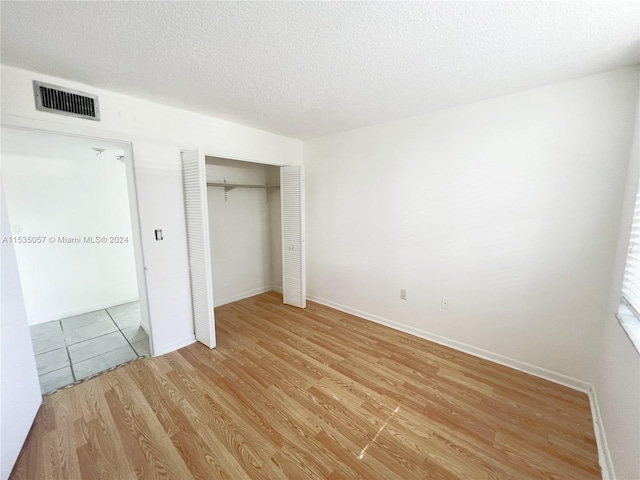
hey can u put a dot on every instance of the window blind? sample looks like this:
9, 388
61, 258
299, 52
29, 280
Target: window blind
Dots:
631, 282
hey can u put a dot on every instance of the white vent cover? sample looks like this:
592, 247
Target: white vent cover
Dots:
64, 101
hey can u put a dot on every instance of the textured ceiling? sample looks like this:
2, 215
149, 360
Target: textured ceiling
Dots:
305, 69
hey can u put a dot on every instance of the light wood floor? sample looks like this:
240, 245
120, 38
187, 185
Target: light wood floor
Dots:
311, 394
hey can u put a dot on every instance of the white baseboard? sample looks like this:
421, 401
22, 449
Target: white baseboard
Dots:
277, 289
170, 347
50, 317
145, 328
241, 296
604, 454
555, 377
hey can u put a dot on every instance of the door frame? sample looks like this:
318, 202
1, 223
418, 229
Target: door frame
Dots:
281, 168
134, 211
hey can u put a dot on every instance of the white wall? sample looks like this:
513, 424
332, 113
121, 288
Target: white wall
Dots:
241, 230
617, 382
161, 206
157, 134
128, 118
70, 197
20, 395
509, 207
618, 393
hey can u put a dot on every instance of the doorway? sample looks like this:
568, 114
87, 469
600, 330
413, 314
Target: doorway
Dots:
73, 213
199, 174
245, 228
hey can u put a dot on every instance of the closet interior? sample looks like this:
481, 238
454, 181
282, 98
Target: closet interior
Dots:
244, 214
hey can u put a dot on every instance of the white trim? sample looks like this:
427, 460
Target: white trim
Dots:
173, 346
79, 311
630, 323
555, 377
604, 454
145, 328
277, 289
242, 296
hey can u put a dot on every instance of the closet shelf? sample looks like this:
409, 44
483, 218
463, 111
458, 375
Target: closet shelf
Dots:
231, 186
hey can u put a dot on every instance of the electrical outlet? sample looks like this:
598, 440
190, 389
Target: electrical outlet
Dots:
403, 294
444, 303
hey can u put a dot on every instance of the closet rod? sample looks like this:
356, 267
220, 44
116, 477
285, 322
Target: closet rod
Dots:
230, 186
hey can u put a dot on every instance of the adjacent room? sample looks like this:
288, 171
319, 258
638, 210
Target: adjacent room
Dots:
382, 240
70, 196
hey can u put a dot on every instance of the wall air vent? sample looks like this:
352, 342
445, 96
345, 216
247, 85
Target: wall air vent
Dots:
64, 101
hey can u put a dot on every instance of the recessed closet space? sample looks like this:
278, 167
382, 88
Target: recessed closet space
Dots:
244, 227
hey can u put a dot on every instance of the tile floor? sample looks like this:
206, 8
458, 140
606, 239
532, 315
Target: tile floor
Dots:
78, 347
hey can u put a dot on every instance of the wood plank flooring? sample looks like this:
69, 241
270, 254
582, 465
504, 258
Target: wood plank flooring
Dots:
307, 394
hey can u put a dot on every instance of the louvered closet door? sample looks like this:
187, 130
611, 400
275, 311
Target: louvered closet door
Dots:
293, 239
195, 204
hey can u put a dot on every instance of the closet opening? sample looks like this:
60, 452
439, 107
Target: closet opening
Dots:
245, 228
245, 234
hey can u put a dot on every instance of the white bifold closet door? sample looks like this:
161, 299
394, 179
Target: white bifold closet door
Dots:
293, 237
194, 180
